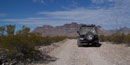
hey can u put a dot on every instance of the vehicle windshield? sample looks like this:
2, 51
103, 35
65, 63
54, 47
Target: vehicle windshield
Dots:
84, 30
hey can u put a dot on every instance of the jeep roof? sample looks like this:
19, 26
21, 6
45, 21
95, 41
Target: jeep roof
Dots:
88, 25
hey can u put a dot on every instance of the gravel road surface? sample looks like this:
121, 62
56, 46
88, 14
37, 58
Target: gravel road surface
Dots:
108, 54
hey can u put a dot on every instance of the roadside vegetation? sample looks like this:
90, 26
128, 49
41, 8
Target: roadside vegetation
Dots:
20, 46
116, 38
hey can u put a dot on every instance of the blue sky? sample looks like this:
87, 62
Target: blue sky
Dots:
32, 13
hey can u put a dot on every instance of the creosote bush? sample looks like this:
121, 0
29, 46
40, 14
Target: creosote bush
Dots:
117, 38
21, 46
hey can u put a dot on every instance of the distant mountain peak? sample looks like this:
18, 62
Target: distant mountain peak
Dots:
70, 30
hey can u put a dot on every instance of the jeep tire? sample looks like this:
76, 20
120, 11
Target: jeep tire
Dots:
97, 44
79, 43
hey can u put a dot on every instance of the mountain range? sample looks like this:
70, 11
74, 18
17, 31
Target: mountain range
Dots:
70, 30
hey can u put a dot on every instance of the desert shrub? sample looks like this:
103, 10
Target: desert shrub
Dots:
19, 46
22, 46
10, 29
58, 38
117, 38
2, 30
127, 38
102, 38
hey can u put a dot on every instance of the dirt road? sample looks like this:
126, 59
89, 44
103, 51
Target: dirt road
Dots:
108, 54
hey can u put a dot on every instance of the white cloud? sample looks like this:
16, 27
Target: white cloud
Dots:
73, 5
102, 1
113, 17
32, 21
100, 16
40, 1
98, 1
116, 16
3, 15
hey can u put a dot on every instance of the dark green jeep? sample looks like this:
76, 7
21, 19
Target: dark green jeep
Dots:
88, 35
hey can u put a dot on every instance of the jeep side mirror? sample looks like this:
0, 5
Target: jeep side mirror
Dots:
78, 32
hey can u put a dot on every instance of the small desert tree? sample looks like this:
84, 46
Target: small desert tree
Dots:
10, 29
2, 30
24, 31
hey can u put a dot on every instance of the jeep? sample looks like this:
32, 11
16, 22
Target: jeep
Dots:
87, 35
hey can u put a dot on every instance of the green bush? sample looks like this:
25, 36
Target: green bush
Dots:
22, 46
116, 38
127, 39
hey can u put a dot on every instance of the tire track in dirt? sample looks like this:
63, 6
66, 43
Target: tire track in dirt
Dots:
70, 54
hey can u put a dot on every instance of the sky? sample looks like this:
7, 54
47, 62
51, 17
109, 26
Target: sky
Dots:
110, 14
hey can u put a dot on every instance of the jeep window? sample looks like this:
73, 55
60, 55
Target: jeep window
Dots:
84, 30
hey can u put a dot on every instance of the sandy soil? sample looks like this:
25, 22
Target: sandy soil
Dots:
108, 54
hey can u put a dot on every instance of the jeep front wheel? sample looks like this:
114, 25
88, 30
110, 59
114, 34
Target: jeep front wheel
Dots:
79, 43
